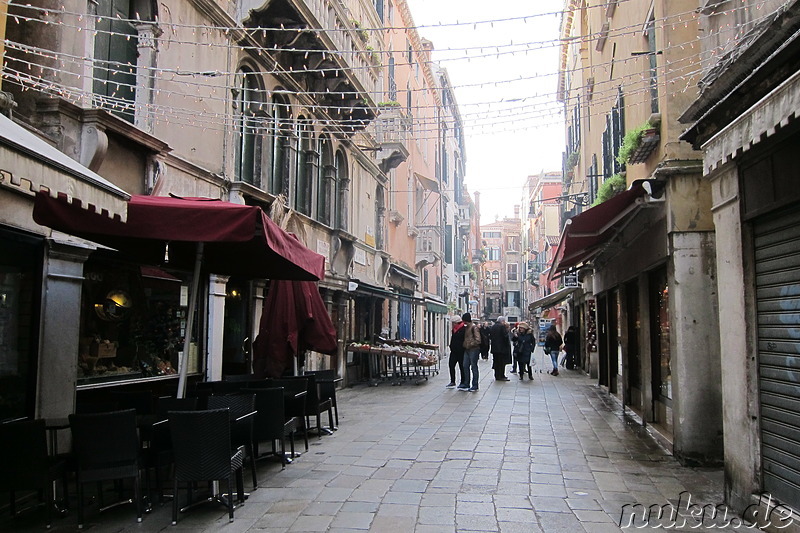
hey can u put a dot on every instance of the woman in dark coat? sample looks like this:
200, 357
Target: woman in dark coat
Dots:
552, 345
456, 353
501, 348
524, 342
484, 329
570, 342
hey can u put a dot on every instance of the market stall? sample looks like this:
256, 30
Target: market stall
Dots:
395, 361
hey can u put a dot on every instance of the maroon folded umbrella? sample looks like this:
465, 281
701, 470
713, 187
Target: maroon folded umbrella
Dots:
294, 320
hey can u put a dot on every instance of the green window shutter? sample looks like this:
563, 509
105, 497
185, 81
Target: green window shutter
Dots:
115, 56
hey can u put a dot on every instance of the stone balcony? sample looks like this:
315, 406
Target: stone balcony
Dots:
429, 245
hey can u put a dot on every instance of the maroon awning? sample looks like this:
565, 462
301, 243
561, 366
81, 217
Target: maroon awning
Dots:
239, 239
585, 234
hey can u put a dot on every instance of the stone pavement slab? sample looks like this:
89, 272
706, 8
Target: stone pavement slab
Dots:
552, 455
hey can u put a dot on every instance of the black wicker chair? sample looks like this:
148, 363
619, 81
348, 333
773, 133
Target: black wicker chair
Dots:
26, 465
315, 405
167, 404
272, 424
105, 446
242, 413
326, 386
294, 394
201, 444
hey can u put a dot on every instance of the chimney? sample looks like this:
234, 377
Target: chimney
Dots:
516, 211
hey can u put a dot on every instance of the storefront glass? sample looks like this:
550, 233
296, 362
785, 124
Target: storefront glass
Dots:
133, 321
19, 294
659, 344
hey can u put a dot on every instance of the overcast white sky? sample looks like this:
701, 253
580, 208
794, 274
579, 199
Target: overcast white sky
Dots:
504, 148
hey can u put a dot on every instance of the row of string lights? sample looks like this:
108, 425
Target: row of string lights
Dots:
518, 113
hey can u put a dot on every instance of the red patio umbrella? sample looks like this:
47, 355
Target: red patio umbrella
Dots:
294, 320
197, 233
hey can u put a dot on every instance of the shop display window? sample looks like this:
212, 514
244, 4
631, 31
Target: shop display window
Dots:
133, 322
20, 265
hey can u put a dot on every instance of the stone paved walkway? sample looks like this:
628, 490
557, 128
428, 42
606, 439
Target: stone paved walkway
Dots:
552, 455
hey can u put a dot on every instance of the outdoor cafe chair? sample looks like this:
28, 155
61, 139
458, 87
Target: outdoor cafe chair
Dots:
271, 423
166, 404
105, 447
26, 464
295, 393
326, 386
315, 405
242, 415
201, 444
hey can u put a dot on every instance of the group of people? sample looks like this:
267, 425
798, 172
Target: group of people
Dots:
508, 345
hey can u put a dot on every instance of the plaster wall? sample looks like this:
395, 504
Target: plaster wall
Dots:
199, 140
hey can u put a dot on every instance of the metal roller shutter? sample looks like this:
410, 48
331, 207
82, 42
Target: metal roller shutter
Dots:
777, 264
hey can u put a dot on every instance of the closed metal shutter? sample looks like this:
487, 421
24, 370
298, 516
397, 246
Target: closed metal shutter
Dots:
777, 263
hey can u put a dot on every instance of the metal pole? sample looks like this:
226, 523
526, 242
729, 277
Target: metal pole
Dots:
187, 337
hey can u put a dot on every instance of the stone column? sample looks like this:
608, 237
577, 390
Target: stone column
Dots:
694, 328
738, 363
216, 322
60, 329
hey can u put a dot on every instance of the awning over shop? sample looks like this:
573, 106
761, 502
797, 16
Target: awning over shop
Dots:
584, 235
551, 299
761, 121
239, 239
402, 272
435, 307
29, 163
431, 185
367, 289
190, 233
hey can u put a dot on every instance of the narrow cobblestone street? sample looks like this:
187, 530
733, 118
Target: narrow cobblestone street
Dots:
552, 455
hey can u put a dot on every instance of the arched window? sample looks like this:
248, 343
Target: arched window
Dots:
280, 135
495, 278
340, 215
380, 216
306, 162
246, 105
325, 177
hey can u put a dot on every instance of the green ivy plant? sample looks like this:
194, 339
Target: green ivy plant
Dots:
572, 160
631, 142
389, 103
610, 188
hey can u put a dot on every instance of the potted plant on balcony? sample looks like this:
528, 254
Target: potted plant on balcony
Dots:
362, 33
638, 144
610, 188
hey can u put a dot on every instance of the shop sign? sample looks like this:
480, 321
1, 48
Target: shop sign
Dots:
571, 280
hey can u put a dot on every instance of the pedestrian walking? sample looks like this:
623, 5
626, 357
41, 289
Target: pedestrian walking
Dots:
472, 350
456, 352
512, 337
484, 329
552, 345
570, 343
500, 347
524, 343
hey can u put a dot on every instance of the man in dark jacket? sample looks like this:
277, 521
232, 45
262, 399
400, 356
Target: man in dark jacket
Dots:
501, 348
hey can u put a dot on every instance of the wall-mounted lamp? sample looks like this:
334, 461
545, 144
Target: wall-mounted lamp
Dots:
654, 188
